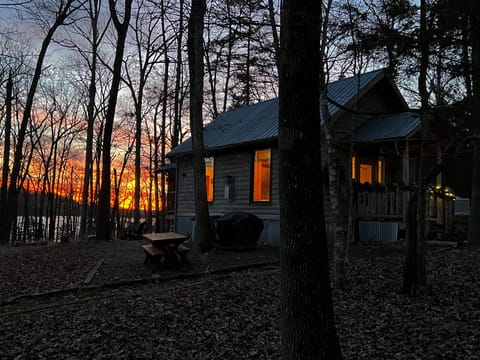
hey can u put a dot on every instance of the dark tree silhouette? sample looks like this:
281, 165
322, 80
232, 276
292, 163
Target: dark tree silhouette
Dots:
203, 230
474, 225
415, 276
307, 316
103, 230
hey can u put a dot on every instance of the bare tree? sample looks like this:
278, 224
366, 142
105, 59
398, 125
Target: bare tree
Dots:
338, 194
307, 315
6, 139
118, 177
62, 11
272, 14
94, 38
149, 33
415, 275
177, 116
103, 226
203, 229
240, 54
160, 223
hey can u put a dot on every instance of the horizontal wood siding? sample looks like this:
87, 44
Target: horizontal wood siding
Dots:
185, 202
239, 166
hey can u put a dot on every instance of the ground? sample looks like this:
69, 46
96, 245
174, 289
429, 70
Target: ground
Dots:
98, 300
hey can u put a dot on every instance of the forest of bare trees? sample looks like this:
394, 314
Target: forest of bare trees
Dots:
86, 117
63, 102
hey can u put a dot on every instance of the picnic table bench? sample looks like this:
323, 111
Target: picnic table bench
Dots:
152, 253
165, 248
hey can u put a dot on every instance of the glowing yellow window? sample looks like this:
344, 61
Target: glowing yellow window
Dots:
354, 168
261, 175
380, 171
209, 172
365, 173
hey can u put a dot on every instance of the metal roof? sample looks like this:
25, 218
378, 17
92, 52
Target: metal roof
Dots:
242, 125
387, 127
259, 122
345, 90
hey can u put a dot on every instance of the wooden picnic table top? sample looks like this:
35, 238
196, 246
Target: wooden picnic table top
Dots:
165, 237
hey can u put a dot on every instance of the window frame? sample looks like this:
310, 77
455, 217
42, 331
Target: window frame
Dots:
252, 179
212, 182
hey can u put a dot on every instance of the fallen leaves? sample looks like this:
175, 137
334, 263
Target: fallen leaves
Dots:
236, 315
375, 321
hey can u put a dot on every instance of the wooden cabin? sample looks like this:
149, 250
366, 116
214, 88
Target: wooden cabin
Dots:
378, 147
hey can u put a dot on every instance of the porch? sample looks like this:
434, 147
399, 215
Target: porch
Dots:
384, 201
379, 211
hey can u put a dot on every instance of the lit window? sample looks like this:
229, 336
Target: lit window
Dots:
380, 171
261, 175
354, 168
365, 173
209, 172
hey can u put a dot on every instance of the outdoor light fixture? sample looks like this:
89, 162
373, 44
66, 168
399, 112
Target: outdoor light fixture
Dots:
443, 192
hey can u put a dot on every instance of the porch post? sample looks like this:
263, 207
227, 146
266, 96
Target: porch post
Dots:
440, 201
405, 179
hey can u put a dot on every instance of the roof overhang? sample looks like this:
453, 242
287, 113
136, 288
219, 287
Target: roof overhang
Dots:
388, 127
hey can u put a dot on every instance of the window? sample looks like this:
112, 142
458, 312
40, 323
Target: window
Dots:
365, 173
368, 170
209, 175
261, 175
354, 168
380, 171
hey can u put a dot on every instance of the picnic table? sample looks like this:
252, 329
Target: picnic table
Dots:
165, 248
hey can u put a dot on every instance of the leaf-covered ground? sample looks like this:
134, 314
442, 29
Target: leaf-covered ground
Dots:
232, 315
375, 321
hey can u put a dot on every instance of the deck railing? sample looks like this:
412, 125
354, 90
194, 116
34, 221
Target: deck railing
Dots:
379, 201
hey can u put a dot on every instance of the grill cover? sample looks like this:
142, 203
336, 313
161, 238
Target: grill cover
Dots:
238, 231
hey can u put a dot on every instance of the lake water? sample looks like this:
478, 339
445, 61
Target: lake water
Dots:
37, 229
65, 227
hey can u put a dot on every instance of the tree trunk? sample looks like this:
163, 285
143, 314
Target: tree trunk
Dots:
177, 125
338, 197
156, 164
116, 201
228, 59
92, 90
273, 24
474, 223
340, 223
138, 157
204, 235
415, 278
307, 315
51, 196
103, 230
163, 220
6, 150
